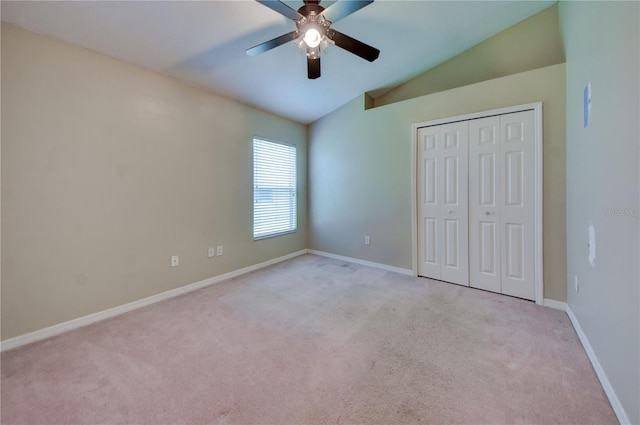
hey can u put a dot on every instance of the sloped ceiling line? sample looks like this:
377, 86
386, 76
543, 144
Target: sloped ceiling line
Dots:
203, 43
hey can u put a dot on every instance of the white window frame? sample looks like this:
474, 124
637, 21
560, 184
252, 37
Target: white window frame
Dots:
274, 179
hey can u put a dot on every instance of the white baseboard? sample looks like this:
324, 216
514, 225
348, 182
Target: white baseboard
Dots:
623, 418
557, 305
115, 311
362, 262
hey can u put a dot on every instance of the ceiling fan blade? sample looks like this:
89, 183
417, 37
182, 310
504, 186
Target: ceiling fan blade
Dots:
343, 8
354, 46
281, 8
268, 45
313, 68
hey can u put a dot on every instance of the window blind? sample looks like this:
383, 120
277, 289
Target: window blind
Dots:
274, 189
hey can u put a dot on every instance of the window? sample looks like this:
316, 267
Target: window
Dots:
274, 189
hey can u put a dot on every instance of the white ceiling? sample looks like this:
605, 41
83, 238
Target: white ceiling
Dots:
204, 42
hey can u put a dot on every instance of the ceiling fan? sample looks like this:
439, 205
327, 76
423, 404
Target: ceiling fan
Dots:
314, 33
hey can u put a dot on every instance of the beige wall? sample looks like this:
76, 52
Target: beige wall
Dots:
360, 169
602, 42
108, 170
531, 44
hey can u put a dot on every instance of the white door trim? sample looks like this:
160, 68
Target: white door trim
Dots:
537, 108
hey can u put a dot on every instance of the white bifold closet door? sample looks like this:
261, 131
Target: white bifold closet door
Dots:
444, 206
501, 210
476, 203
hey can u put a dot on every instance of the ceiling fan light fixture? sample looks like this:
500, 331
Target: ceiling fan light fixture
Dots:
313, 52
325, 43
312, 37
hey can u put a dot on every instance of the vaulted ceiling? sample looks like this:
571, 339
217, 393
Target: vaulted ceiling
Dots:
203, 43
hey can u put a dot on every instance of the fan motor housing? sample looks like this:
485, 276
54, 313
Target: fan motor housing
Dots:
310, 8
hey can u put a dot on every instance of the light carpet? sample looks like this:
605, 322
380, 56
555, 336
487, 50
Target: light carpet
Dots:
312, 341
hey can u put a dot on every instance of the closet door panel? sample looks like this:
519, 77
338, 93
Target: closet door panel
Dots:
429, 205
484, 200
455, 205
443, 203
517, 209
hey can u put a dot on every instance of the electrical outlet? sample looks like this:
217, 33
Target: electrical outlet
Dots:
367, 240
220, 250
175, 261
576, 283
212, 252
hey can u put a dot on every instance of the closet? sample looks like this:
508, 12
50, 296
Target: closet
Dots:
477, 199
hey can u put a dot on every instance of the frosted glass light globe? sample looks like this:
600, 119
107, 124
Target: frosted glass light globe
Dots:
312, 37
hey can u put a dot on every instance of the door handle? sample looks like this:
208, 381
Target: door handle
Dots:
488, 213
450, 211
